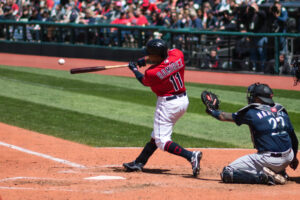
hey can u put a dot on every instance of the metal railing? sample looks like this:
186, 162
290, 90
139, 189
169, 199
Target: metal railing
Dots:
235, 50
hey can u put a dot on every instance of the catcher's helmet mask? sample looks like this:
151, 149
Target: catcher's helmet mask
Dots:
262, 91
156, 47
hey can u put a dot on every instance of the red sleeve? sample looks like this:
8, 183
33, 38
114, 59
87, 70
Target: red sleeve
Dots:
150, 77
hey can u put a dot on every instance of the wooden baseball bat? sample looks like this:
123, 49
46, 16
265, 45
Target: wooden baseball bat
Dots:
94, 69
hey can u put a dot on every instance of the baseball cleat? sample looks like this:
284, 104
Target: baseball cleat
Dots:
278, 178
265, 179
285, 175
133, 166
195, 161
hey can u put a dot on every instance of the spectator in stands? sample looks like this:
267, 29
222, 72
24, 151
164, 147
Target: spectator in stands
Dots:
228, 21
224, 5
283, 66
163, 18
1, 10
216, 5
58, 13
25, 14
175, 24
105, 10
72, 14
45, 16
195, 22
184, 19
256, 22
149, 7
191, 6
89, 17
10, 10
131, 17
35, 15
279, 22
181, 3
141, 19
212, 60
241, 52
115, 11
129, 6
211, 21
122, 20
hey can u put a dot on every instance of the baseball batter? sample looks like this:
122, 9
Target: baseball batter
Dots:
166, 79
272, 134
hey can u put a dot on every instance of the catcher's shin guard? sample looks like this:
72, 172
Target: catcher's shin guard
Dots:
230, 175
278, 178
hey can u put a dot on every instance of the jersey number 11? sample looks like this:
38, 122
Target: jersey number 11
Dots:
176, 80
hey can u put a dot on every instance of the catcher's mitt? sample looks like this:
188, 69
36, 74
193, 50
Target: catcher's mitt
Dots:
210, 100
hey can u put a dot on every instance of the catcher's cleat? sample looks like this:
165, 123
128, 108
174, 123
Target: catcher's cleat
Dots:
133, 166
265, 179
195, 161
285, 175
278, 178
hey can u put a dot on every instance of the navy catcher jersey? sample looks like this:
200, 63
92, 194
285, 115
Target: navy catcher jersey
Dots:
269, 126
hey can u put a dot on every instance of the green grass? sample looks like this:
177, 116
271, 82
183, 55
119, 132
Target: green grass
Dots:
84, 128
118, 111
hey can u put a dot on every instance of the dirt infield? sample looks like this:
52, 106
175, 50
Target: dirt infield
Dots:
34, 166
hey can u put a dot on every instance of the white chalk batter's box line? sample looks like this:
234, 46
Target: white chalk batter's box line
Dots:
75, 165
56, 189
213, 148
92, 178
62, 161
72, 164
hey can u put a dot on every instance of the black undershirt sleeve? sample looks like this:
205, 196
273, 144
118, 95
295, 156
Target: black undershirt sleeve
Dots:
139, 76
294, 142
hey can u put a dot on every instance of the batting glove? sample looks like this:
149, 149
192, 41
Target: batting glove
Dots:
132, 66
141, 62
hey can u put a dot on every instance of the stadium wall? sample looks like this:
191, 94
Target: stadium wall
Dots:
71, 50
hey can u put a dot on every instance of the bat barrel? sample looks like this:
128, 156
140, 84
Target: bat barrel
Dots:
86, 70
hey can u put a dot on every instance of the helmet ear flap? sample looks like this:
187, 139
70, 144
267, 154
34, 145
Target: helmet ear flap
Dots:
251, 93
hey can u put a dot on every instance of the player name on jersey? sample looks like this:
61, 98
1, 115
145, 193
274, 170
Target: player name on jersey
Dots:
171, 67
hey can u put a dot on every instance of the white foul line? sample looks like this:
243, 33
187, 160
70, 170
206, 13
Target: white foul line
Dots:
104, 177
42, 155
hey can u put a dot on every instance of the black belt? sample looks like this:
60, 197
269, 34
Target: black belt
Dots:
276, 155
279, 154
175, 96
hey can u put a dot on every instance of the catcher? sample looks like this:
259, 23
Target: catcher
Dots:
272, 135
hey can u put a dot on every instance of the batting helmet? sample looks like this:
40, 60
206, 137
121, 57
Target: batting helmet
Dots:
157, 47
262, 91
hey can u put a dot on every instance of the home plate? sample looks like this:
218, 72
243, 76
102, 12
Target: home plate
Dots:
103, 177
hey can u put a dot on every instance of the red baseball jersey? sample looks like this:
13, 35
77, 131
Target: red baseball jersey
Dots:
167, 78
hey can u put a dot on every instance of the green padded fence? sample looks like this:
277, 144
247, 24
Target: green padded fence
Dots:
195, 44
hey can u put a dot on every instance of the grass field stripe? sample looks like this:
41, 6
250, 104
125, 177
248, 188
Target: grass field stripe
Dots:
42, 155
